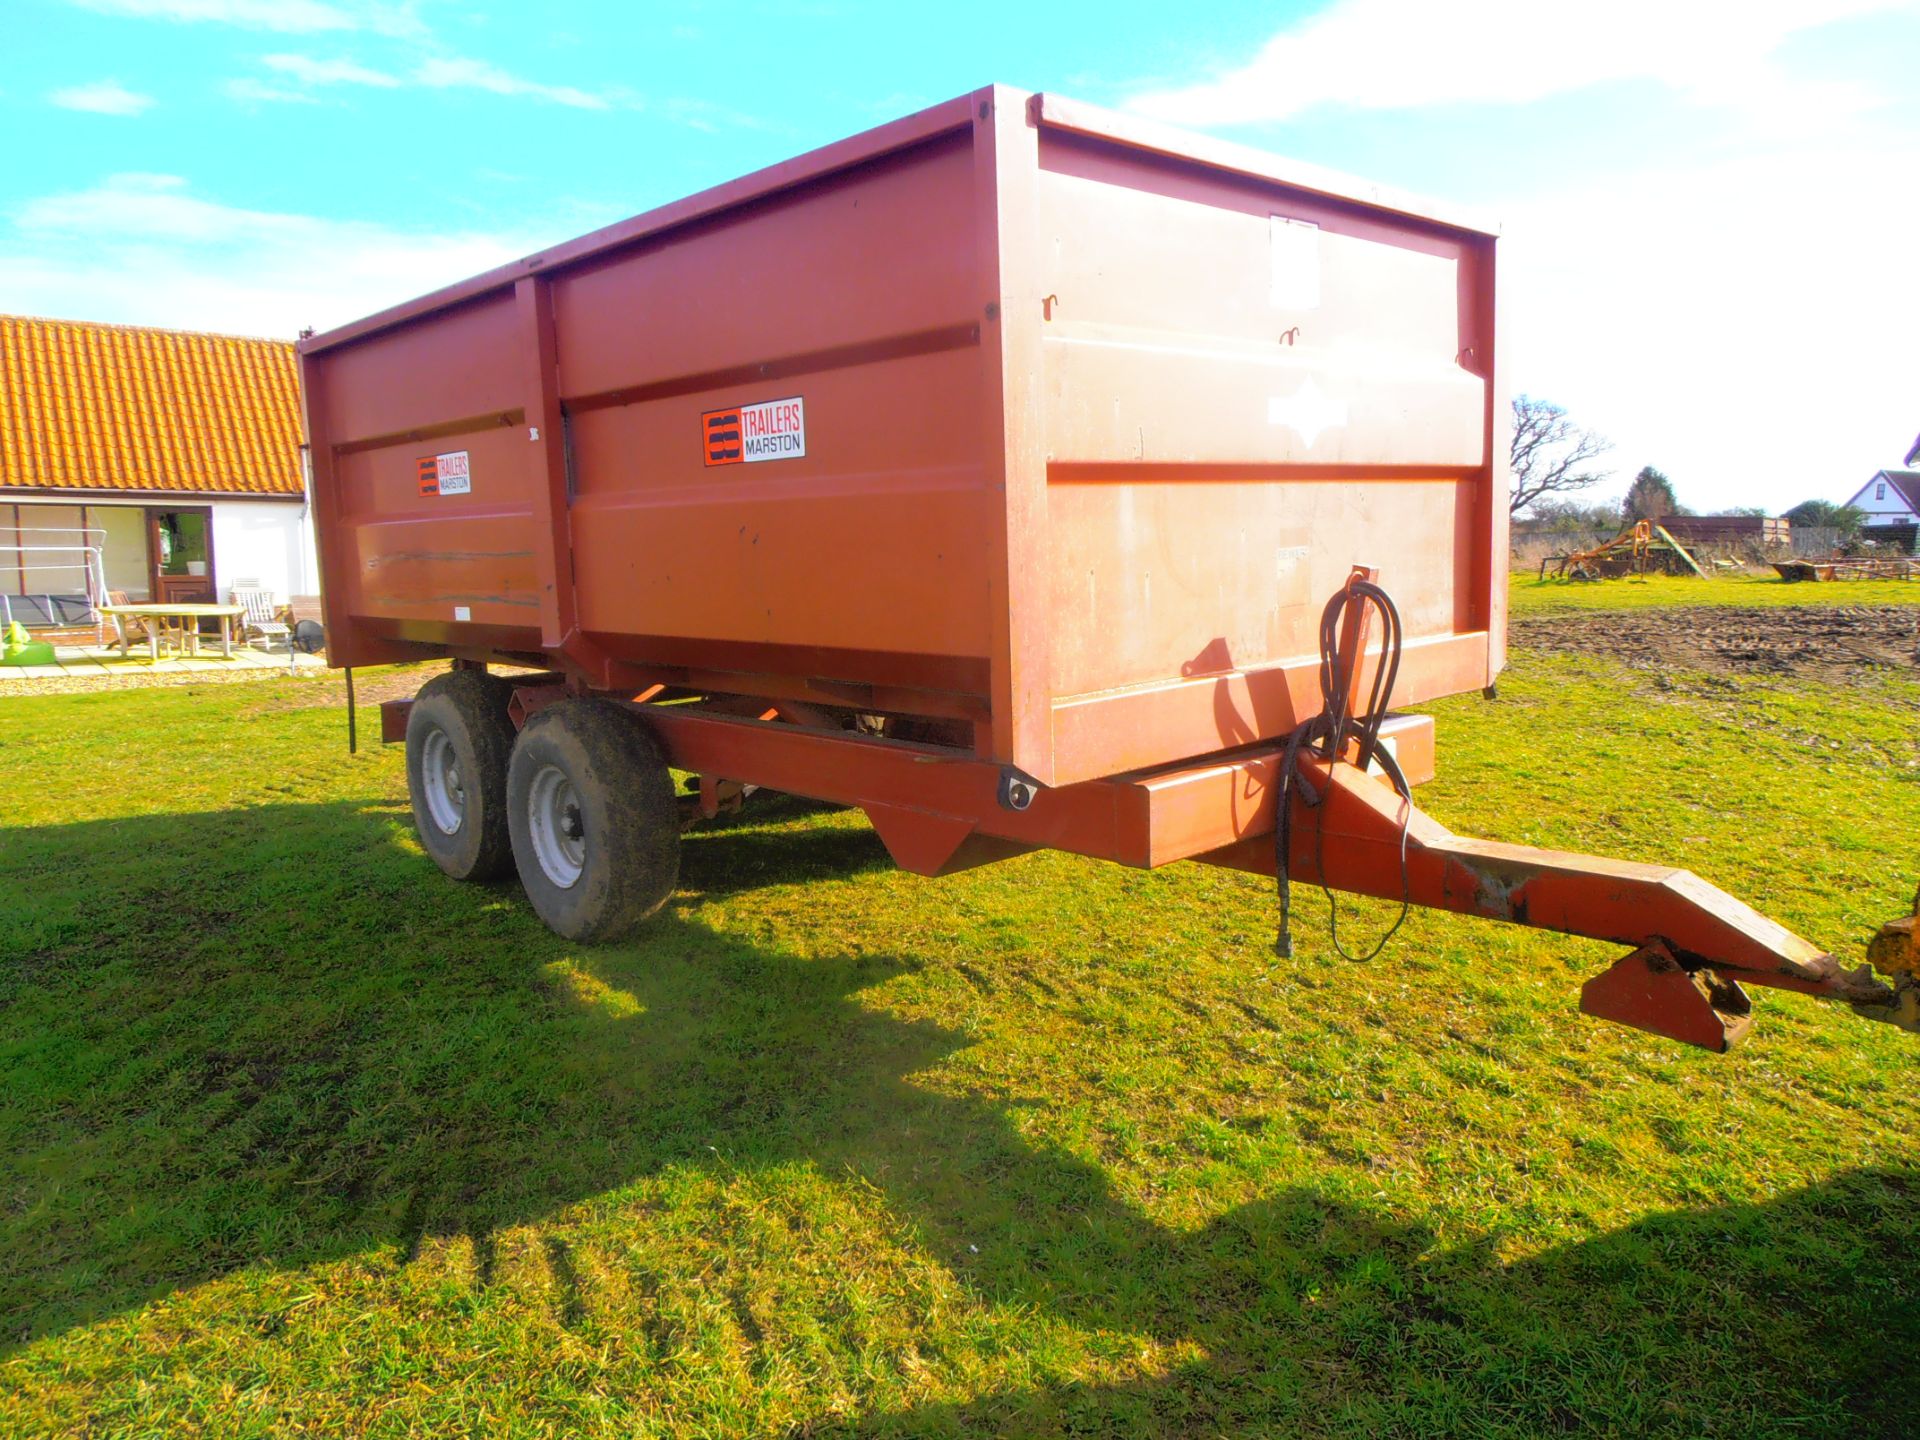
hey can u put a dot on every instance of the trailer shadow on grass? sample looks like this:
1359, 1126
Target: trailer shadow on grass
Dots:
317, 1048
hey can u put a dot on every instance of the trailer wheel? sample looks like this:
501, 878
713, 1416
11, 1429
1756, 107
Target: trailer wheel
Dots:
458, 741
595, 826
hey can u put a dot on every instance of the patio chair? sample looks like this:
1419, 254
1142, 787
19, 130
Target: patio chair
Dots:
128, 628
262, 620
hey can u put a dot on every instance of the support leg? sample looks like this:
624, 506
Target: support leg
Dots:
1650, 991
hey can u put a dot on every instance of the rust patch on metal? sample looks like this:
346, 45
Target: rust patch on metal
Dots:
1823, 976
1499, 887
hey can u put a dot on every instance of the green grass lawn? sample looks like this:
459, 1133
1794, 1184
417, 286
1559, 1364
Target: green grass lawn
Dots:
1531, 596
297, 1136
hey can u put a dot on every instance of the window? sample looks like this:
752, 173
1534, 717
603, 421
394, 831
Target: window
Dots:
1880, 491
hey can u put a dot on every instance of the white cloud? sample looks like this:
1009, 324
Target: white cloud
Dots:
1400, 54
1744, 324
102, 97
144, 249
435, 73
292, 17
707, 117
442, 73
309, 71
249, 91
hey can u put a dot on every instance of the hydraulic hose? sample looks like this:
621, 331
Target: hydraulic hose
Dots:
1326, 736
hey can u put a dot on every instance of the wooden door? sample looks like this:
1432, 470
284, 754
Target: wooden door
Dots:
177, 538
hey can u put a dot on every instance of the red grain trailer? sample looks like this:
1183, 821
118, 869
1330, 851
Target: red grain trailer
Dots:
1016, 471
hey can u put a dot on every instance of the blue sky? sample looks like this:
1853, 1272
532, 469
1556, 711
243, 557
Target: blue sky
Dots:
1711, 210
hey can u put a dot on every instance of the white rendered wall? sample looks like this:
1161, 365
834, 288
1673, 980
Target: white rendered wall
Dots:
266, 544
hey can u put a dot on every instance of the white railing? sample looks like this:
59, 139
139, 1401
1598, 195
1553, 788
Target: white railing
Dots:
88, 558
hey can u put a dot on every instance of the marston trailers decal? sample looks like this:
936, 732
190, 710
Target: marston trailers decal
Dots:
743, 434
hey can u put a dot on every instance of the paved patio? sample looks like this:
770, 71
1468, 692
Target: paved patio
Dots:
104, 662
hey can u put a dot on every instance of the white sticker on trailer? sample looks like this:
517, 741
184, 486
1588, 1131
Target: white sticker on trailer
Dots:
456, 477
747, 434
776, 430
447, 474
1296, 263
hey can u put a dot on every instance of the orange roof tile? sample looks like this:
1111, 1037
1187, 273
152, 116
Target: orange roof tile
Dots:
120, 407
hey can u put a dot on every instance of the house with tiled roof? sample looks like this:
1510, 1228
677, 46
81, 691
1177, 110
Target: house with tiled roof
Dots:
165, 464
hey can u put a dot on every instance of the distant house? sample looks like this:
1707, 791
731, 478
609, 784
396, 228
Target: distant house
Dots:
1891, 497
173, 458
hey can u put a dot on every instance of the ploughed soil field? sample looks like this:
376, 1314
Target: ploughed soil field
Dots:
1831, 644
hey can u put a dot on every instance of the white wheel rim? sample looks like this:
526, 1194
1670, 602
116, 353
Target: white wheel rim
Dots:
442, 782
556, 826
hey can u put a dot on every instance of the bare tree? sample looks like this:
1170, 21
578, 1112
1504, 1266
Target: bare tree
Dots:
1550, 454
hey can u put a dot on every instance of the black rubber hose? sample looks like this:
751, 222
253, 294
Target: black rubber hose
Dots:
1325, 736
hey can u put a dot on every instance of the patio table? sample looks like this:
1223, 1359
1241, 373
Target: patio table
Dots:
184, 629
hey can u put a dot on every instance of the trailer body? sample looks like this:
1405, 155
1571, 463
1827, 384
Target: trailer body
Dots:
1011, 412
1023, 475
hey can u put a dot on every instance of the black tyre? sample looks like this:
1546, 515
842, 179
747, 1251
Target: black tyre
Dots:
596, 829
458, 741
